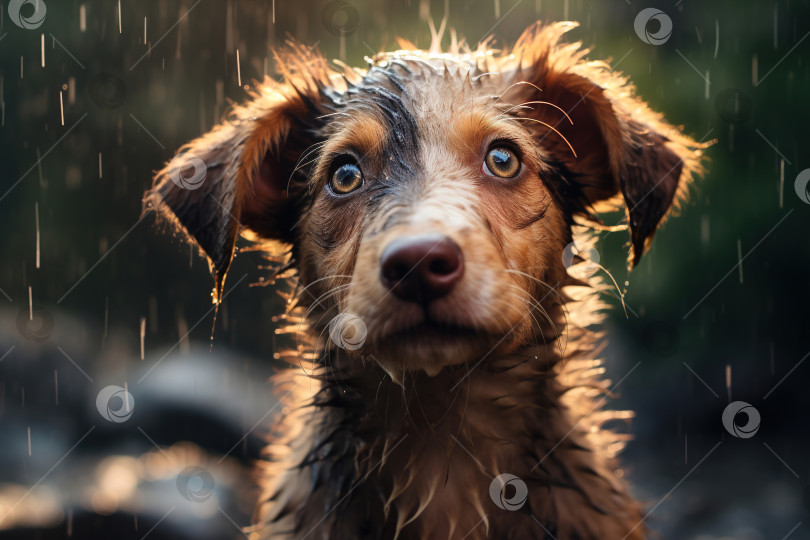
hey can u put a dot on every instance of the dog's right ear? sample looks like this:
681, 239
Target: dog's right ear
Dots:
241, 173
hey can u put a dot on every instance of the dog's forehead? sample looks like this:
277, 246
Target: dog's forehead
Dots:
408, 97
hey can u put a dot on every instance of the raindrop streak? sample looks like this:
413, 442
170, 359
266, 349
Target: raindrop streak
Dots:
754, 70
119, 16
716, 37
728, 381
739, 258
126, 396
29, 441
42, 47
62, 107
99, 165
36, 219
781, 182
82, 18
143, 333
144, 30
497, 9
30, 304
238, 70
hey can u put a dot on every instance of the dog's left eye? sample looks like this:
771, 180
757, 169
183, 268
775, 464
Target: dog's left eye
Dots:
502, 161
346, 179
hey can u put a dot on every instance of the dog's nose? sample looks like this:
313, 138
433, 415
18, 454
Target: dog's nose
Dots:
421, 268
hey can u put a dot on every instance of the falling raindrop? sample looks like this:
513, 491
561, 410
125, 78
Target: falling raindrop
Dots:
36, 219
29, 441
728, 381
238, 70
42, 47
781, 182
119, 17
82, 18
754, 70
143, 334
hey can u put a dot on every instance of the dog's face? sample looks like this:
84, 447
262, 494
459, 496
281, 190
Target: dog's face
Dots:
432, 195
430, 209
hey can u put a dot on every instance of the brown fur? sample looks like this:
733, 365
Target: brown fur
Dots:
402, 437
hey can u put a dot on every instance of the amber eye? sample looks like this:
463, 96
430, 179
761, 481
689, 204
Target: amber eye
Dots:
502, 161
346, 179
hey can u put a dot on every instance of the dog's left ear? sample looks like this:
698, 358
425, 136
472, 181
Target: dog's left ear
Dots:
242, 174
622, 147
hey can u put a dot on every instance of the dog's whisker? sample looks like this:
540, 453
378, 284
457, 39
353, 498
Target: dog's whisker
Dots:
552, 128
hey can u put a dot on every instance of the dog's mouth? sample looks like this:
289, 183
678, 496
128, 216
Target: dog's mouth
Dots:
435, 332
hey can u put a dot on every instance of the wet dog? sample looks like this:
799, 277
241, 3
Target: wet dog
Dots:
447, 385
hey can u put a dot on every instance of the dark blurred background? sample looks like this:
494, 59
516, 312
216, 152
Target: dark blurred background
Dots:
117, 420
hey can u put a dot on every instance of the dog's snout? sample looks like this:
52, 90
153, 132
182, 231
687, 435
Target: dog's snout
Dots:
421, 268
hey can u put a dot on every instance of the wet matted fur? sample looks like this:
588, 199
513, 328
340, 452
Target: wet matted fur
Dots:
401, 437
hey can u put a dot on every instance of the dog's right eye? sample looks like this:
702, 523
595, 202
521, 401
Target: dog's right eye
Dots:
346, 179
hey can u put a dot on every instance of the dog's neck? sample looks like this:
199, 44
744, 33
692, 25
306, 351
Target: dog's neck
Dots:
417, 459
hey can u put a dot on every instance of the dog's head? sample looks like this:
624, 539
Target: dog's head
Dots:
430, 195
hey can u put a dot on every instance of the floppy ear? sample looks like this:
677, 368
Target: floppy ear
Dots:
610, 143
242, 173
